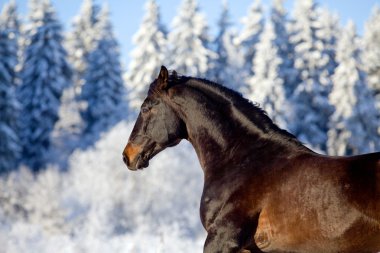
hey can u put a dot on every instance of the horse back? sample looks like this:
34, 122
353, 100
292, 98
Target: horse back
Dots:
363, 183
357, 178
370, 159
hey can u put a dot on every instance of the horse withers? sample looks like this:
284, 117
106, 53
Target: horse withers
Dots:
263, 190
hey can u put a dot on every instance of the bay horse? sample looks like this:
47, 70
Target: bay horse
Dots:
264, 191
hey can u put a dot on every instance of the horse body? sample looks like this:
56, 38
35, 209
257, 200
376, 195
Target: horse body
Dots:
311, 206
263, 190
305, 203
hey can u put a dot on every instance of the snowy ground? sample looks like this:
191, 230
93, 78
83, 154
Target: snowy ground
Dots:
100, 206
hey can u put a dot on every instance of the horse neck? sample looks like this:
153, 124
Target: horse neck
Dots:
220, 133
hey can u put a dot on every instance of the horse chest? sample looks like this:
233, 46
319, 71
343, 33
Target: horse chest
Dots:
212, 209
219, 206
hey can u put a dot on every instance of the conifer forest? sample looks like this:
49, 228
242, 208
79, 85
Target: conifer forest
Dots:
68, 105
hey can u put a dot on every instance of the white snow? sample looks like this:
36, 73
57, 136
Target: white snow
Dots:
101, 206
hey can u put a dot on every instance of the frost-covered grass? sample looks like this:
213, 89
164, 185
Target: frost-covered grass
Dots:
100, 206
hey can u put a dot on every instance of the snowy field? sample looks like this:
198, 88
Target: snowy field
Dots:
101, 206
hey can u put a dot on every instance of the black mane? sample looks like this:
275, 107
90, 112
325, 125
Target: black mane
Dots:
252, 112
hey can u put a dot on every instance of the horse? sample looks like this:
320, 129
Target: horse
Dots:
264, 191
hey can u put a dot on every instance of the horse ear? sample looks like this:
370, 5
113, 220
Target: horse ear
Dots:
174, 74
163, 78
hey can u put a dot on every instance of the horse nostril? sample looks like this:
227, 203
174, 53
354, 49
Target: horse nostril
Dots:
125, 159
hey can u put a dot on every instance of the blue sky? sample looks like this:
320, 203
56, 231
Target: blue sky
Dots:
126, 15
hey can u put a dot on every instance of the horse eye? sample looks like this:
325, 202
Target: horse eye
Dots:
144, 110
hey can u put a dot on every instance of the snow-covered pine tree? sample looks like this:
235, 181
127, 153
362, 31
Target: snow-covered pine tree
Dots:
328, 33
228, 62
267, 86
220, 62
10, 148
312, 108
189, 42
253, 25
286, 71
9, 18
147, 56
353, 125
80, 41
45, 73
11, 25
371, 52
11, 21
103, 90
26, 26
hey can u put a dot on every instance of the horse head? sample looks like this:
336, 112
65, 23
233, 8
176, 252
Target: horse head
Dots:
157, 127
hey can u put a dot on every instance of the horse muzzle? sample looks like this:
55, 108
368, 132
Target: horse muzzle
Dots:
133, 157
